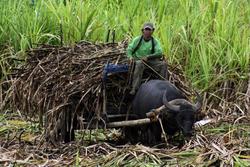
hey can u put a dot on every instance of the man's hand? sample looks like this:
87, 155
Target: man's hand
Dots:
131, 60
144, 59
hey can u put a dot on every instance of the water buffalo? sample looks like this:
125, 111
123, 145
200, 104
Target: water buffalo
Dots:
178, 115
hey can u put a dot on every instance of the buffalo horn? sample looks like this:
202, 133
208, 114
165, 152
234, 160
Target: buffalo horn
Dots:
196, 107
168, 105
175, 104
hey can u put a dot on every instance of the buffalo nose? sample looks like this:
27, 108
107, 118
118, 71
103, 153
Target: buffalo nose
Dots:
187, 136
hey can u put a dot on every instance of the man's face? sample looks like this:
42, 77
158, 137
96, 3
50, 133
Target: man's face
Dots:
147, 33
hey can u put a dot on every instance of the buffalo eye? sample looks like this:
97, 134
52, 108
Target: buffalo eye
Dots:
188, 118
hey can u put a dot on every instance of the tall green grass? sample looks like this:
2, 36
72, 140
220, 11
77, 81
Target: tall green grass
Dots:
210, 39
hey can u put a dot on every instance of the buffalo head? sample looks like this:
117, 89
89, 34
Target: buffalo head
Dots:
184, 113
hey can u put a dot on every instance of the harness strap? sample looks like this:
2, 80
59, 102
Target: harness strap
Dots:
153, 46
139, 44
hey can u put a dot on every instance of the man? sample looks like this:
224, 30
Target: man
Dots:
147, 52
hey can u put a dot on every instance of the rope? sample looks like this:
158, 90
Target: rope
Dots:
163, 131
144, 62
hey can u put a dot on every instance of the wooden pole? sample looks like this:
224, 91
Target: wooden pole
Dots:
107, 38
1, 95
248, 96
129, 123
113, 35
152, 117
154, 112
61, 32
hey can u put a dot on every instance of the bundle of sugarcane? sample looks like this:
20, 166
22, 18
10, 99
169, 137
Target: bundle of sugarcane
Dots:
57, 79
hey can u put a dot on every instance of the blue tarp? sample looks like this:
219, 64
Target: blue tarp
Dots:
113, 68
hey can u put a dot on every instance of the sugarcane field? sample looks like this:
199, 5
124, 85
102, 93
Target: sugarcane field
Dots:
150, 83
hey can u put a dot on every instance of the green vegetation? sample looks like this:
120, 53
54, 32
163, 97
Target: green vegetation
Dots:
210, 39
13, 126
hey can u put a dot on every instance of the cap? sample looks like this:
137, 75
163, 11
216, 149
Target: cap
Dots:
148, 25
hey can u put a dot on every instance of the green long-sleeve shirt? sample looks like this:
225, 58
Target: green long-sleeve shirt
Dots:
144, 49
